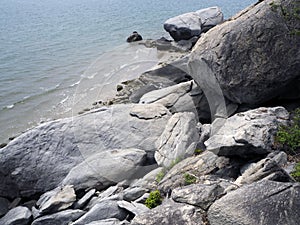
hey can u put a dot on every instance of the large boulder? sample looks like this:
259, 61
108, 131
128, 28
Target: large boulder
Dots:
52, 149
171, 213
265, 202
16, 216
102, 210
178, 140
248, 133
183, 27
108, 168
244, 55
188, 25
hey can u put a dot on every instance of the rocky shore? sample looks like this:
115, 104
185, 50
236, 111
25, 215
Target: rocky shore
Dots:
192, 141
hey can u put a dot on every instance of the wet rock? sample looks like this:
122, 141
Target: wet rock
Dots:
135, 36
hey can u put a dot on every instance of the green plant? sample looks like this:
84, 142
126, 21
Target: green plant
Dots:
189, 179
154, 199
163, 172
198, 151
289, 136
160, 175
296, 173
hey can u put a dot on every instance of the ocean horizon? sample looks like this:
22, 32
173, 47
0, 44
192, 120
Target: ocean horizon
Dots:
57, 56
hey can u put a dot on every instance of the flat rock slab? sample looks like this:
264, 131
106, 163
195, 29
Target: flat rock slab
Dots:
108, 168
52, 149
244, 54
265, 202
60, 218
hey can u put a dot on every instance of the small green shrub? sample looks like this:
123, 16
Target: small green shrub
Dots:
160, 175
189, 179
198, 151
154, 199
296, 173
289, 136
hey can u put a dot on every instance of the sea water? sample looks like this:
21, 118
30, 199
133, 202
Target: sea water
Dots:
59, 56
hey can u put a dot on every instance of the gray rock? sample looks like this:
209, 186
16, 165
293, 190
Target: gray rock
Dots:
131, 194
143, 198
210, 17
260, 36
201, 195
183, 97
188, 25
178, 140
183, 27
4, 204
102, 210
52, 149
108, 168
203, 164
171, 213
148, 182
204, 135
16, 216
56, 200
85, 199
111, 221
265, 167
265, 202
149, 111
133, 207
60, 218
248, 133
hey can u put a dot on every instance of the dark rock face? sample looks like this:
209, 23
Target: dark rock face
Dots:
135, 36
253, 56
264, 202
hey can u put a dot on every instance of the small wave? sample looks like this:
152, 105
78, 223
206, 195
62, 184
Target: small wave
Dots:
72, 85
10, 106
